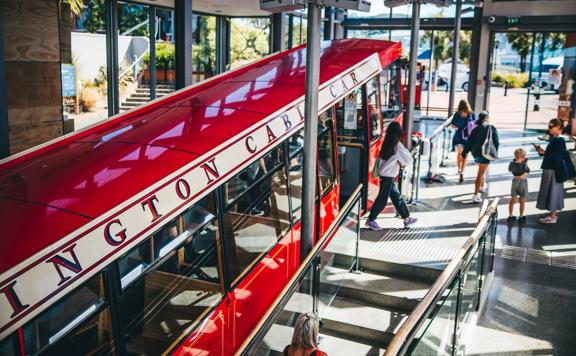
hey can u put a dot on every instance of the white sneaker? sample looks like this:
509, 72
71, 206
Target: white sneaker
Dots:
476, 198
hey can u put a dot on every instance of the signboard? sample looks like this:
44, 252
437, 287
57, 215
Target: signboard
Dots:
554, 76
69, 88
512, 20
350, 115
68, 80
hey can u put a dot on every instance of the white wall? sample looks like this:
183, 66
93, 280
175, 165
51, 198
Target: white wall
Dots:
89, 52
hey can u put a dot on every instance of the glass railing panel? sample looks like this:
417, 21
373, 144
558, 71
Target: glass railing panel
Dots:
280, 332
438, 333
338, 259
469, 296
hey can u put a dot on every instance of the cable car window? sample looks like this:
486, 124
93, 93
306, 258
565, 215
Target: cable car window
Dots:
78, 324
373, 111
135, 262
390, 100
251, 174
295, 144
350, 118
10, 346
179, 288
255, 221
327, 170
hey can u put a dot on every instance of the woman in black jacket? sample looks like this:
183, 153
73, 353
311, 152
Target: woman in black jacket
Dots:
474, 145
551, 194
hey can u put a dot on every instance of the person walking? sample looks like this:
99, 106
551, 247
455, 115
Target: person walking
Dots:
305, 337
463, 121
391, 155
476, 144
551, 194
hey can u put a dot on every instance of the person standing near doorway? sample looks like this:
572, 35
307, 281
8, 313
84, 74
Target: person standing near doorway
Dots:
464, 122
391, 155
475, 144
551, 194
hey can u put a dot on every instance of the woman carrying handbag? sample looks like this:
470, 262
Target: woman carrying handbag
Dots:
391, 154
483, 143
556, 169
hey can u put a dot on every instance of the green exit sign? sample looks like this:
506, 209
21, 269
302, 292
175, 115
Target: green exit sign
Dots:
512, 20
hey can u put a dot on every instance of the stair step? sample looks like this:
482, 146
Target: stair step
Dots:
361, 322
406, 271
136, 100
376, 289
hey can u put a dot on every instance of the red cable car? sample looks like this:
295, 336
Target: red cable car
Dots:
171, 228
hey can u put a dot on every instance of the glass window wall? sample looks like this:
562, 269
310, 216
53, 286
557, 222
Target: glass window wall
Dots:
250, 40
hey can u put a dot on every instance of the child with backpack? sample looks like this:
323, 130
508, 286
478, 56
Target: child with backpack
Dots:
464, 121
519, 169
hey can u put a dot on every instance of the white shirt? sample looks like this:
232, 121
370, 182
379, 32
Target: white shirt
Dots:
389, 167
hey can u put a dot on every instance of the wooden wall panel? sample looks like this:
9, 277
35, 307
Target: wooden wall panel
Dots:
31, 30
33, 79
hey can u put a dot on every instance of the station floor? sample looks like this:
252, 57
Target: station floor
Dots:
531, 306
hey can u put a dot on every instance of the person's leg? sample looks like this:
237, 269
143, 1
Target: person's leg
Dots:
399, 202
511, 205
522, 205
480, 177
553, 215
382, 198
459, 158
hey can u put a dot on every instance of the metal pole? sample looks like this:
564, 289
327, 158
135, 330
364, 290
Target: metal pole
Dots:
310, 127
455, 50
430, 71
529, 80
412, 72
152, 39
111, 13
183, 22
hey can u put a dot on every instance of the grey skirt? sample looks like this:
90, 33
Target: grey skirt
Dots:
551, 194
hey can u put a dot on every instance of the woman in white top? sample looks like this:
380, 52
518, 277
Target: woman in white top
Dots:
392, 153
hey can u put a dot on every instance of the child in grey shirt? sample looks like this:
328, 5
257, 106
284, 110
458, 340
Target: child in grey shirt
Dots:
519, 169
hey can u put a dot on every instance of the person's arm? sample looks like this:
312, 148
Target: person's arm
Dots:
403, 155
470, 142
510, 166
526, 168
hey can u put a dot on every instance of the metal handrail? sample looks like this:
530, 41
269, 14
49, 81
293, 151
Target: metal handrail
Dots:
407, 332
318, 248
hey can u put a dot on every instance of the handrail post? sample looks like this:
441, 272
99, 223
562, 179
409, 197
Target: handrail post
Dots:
455, 340
357, 263
443, 146
418, 173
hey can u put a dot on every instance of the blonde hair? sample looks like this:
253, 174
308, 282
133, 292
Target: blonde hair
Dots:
519, 153
305, 332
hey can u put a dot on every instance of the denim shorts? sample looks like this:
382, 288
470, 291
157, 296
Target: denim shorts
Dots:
519, 188
481, 160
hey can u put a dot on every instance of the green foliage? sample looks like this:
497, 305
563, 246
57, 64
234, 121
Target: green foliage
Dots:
76, 6
522, 43
515, 80
165, 56
443, 45
94, 16
249, 40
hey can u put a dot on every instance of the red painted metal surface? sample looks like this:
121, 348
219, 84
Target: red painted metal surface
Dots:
93, 171
49, 192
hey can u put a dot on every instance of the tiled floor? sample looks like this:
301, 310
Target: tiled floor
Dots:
531, 307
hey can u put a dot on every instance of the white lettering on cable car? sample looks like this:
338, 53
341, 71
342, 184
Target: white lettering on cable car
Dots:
38, 282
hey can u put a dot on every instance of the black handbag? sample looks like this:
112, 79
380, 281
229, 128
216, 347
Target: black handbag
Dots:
564, 169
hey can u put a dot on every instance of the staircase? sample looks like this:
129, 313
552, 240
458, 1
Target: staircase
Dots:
367, 311
142, 95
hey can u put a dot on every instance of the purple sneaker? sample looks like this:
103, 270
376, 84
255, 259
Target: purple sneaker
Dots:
409, 221
373, 225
